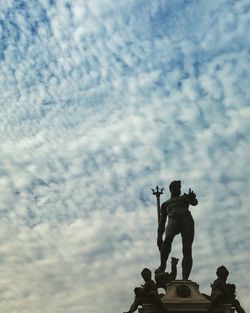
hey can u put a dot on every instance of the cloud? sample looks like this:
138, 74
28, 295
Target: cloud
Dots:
101, 101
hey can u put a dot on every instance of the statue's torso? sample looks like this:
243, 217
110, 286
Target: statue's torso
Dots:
177, 207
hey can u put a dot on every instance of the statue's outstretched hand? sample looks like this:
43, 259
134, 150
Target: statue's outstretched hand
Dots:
159, 242
191, 196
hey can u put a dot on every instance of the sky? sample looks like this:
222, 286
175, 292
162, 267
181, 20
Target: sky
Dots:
101, 101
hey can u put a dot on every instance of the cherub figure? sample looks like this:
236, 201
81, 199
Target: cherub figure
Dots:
222, 292
148, 293
163, 278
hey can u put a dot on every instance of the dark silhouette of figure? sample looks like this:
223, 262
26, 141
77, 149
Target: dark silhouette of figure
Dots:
222, 292
148, 293
162, 278
180, 221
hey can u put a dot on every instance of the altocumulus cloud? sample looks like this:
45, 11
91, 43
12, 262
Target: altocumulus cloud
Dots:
100, 101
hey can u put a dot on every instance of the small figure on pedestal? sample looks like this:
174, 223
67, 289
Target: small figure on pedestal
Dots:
223, 293
180, 221
162, 278
148, 293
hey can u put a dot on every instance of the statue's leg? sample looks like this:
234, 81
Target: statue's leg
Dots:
187, 234
133, 307
136, 302
165, 251
216, 298
155, 299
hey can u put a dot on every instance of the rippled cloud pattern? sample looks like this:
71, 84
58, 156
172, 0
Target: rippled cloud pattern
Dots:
100, 101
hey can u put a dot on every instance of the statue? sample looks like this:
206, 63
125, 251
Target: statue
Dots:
148, 293
180, 221
223, 293
180, 295
162, 278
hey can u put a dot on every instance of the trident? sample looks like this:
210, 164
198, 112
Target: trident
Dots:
158, 192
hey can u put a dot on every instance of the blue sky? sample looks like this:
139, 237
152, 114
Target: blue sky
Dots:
100, 101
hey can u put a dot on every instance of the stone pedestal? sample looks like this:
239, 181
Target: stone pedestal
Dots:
224, 308
184, 296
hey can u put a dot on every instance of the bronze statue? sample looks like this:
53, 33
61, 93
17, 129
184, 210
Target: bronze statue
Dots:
162, 278
222, 292
148, 293
180, 221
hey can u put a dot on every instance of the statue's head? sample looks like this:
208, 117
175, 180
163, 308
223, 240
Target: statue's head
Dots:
222, 272
146, 274
175, 187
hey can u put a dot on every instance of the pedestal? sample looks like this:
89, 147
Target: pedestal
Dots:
223, 308
184, 296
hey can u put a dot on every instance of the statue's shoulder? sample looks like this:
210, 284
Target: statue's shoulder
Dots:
167, 202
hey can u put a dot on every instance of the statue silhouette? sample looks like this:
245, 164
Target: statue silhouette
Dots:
180, 221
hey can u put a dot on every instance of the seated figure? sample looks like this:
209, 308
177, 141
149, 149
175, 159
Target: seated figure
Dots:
223, 293
148, 293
